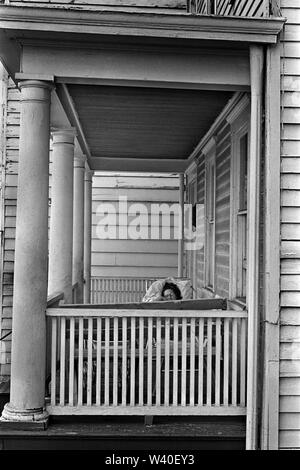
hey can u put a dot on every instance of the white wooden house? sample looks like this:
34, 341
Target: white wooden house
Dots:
208, 89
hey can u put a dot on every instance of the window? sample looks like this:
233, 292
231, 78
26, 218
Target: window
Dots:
239, 198
210, 203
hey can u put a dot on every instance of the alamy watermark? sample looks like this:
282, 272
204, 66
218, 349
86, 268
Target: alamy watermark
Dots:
125, 220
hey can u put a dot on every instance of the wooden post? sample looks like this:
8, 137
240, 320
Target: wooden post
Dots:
270, 402
181, 225
88, 178
61, 214
256, 79
28, 362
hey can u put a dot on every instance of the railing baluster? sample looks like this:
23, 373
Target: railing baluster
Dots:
132, 363
209, 362
183, 362
234, 363
218, 362
141, 361
200, 362
115, 363
175, 363
98, 364
124, 360
80, 362
53, 359
192, 362
106, 363
89, 362
243, 363
158, 360
71, 362
62, 361
226, 361
167, 361
149, 361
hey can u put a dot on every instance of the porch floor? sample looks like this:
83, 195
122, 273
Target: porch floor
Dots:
130, 433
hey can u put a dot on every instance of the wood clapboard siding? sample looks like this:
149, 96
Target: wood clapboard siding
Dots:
222, 213
145, 256
12, 115
289, 402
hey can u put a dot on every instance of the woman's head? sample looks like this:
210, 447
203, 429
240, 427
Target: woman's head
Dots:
171, 292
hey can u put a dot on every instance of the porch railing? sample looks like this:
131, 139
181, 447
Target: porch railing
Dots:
149, 362
250, 8
106, 290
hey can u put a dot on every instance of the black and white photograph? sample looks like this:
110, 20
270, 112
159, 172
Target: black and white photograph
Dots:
149, 228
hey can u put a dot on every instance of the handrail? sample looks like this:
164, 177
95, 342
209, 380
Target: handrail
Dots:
54, 298
92, 313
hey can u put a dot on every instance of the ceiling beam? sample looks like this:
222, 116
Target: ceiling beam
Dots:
136, 164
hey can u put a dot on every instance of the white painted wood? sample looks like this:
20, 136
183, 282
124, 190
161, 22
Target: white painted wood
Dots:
98, 363
62, 361
234, 362
115, 362
183, 362
94, 312
89, 361
200, 361
158, 362
106, 363
149, 361
141, 361
124, 360
256, 73
80, 362
53, 359
167, 362
218, 363
192, 341
226, 362
132, 363
175, 363
71, 362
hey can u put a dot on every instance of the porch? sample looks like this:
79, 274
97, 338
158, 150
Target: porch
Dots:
121, 360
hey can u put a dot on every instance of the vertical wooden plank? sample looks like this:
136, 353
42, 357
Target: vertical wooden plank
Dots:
158, 361
181, 226
141, 361
253, 219
209, 362
226, 362
200, 361
132, 363
106, 363
243, 363
62, 361
175, 363
53, 359
115, 363
218, 362
167, 362
124, 360
192, 361
270, 402
71, 362
80, 362
149, 361
234, 362
90, 361
183, 362
98, 363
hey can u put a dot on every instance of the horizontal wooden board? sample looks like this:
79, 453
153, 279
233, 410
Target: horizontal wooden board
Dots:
134, 246
290, 316
290, 198
290, 351
138, 259
290, 299
153, 272
290, 282
288, 421
137, 195
290, 231
290, 249
290, 165
289, 439
289, 368
289, 404
289, 334
290, 215
289, 386
290, 83
290, 49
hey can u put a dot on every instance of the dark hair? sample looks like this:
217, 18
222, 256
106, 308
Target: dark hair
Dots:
174, 288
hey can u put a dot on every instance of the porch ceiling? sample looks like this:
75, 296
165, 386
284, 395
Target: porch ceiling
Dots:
138, 123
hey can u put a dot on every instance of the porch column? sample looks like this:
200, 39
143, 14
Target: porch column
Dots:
87, 234
78, 225
181, 226
27, 394
256, 78
61, 220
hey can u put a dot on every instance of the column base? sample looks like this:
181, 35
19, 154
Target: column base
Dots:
15, 419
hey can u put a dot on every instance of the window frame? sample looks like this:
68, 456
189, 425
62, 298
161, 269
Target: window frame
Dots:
209, 152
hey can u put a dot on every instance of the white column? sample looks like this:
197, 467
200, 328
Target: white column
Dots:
181, 226
28, 358
61, 214
88, 179
256, 78
78, 225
